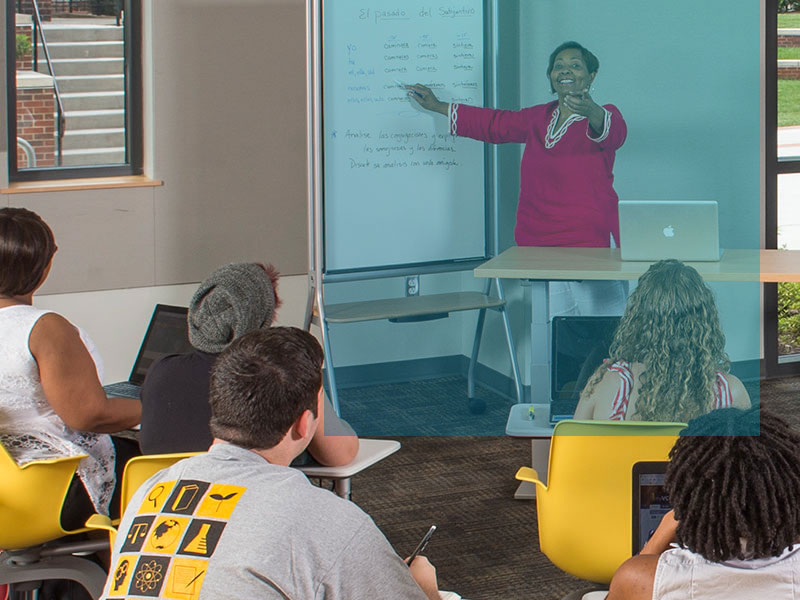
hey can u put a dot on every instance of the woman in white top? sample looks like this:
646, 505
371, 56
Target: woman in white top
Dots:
734, 485
51, 401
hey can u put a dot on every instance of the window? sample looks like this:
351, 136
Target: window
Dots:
782, 301
74, 88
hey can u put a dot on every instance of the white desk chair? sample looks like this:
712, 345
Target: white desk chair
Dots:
369, 452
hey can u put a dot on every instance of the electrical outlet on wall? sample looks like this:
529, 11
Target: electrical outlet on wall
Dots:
412, 285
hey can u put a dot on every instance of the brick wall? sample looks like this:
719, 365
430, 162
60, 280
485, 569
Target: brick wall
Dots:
45, 8
788, 41
36, 123
72, 6
788, 72
25, 63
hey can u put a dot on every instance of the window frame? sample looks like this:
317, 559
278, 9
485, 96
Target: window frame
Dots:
132, 37
774, 167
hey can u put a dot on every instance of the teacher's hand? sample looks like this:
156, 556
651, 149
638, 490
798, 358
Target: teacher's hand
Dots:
582, 104
426, 98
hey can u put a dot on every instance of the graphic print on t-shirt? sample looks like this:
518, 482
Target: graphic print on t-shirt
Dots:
166, 550
185, 497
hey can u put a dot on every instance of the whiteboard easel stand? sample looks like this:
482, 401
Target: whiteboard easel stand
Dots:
399, 309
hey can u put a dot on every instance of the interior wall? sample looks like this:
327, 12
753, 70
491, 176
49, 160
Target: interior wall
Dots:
224, 94
229, 135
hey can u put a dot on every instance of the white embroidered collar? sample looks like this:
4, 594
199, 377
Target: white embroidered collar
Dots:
551, 137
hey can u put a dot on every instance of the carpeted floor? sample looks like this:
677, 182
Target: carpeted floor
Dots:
428, 408
487, 542
783, 396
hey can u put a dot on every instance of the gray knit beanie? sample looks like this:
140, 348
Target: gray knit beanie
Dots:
232, 301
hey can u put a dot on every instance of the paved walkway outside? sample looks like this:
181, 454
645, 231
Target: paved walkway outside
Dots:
789, 191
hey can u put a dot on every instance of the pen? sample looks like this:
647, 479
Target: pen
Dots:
405, 87
421, 546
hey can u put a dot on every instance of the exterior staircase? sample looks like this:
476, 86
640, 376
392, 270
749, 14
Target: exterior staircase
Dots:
89, 68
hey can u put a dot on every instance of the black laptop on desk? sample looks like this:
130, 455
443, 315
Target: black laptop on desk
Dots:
579, 346
167, 333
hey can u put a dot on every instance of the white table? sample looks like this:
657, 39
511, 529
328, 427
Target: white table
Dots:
540, 432
369, 452
537, 266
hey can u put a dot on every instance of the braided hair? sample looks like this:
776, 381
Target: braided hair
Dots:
734, 482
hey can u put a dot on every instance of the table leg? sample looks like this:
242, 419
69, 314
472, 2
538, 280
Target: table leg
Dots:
540, 342
341, 488
540, 458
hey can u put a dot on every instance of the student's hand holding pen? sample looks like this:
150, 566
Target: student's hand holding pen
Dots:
424, 573
426, 98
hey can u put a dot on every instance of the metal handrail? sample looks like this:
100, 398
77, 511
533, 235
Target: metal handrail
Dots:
61, 119
30, 153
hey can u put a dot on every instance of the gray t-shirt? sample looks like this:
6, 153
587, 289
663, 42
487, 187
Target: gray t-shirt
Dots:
228, 524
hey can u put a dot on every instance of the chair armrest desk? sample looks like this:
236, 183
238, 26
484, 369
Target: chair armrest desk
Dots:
369, 452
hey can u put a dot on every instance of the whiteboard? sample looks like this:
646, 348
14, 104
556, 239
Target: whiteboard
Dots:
398, 188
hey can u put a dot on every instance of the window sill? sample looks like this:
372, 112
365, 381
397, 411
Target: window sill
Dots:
69, 185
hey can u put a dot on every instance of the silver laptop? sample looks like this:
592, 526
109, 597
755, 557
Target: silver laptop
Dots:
655, 230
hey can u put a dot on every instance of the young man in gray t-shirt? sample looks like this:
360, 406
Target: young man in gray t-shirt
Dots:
238, 522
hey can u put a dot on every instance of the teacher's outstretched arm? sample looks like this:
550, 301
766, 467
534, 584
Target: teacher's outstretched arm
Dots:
484, 124
426, 98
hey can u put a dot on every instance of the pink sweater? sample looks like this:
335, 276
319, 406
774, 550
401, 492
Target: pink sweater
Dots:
566, 195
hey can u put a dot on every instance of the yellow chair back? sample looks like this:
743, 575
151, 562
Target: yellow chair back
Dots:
31, 497
141, 468
137, 470
584, 510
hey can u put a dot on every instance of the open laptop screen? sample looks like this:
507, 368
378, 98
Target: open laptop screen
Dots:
580, 344
167, 334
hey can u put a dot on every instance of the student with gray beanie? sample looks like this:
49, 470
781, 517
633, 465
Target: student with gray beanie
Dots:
234, 300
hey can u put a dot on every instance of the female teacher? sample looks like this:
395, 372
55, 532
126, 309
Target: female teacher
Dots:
566, 194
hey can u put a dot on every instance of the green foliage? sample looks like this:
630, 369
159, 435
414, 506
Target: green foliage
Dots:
788, 102
788, 5
23, 45
789, 317
791, 19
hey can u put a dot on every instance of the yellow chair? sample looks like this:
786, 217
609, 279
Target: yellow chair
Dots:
137, 470
31, 498
584, 509
141, 468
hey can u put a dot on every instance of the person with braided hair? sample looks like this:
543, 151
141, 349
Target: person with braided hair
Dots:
667, 361
734, 485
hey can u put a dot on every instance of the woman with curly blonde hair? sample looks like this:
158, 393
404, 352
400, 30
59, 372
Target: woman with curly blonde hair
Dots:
667, 360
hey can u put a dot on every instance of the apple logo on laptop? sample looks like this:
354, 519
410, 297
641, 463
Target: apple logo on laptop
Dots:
669, 231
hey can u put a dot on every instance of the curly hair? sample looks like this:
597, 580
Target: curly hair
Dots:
671, 326
734, 483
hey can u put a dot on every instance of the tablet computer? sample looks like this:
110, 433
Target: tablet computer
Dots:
650, 501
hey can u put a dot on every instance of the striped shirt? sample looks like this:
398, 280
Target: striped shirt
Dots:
723, 397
